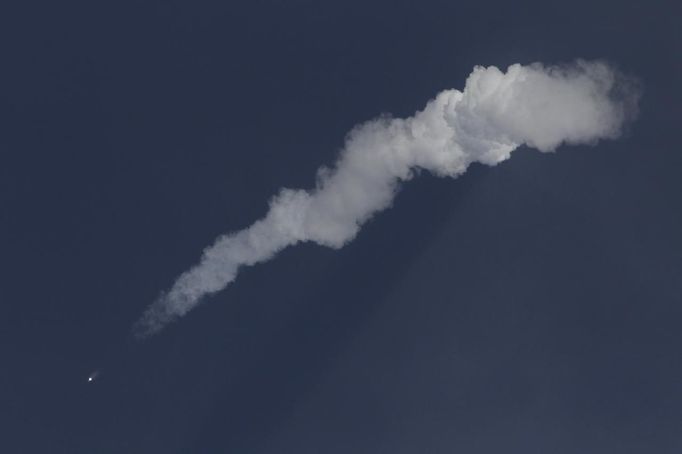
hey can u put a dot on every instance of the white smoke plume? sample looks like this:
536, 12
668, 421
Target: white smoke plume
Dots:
535, 105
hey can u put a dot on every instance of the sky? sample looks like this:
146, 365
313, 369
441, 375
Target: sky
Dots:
533, 306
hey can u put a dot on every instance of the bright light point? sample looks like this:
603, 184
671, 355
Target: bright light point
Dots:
89, 378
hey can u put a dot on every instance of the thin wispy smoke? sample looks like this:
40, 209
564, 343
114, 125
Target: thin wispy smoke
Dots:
535, 105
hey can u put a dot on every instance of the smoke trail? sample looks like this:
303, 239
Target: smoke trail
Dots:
539, 106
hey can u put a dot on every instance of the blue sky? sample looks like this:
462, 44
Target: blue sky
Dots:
527, 307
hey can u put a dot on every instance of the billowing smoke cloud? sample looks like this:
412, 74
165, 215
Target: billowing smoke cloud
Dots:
535, 105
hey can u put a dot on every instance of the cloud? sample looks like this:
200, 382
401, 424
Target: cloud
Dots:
539, 106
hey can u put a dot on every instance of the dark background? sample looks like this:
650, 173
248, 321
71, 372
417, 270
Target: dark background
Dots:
533, 307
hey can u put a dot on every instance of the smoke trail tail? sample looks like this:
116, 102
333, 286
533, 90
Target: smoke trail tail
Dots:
538, 106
